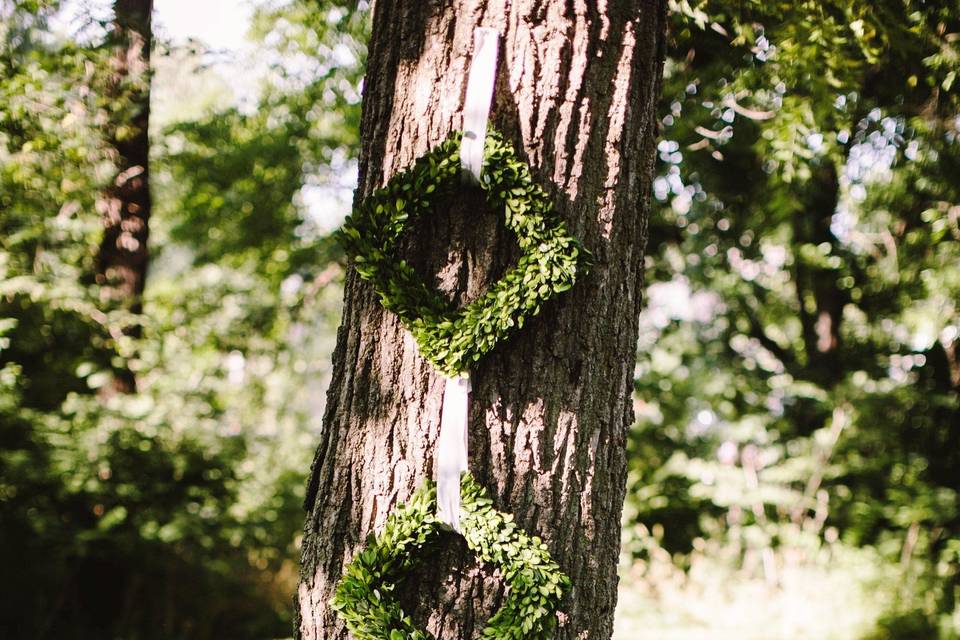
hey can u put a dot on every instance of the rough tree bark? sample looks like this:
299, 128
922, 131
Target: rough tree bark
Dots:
125, 204
576, 92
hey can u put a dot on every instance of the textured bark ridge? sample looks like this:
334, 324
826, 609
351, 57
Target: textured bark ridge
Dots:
576, 93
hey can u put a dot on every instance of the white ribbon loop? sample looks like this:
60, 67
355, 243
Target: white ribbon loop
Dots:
476, 107
452, 449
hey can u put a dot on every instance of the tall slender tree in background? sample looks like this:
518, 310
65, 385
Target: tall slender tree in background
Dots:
125, 205
576, 93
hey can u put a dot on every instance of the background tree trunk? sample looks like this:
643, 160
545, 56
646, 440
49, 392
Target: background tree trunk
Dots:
125, 205
576, 92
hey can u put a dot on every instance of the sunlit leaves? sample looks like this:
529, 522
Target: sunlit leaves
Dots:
819, 217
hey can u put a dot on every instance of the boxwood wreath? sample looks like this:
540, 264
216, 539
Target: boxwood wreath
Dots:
448, 338
365, 594
451, 340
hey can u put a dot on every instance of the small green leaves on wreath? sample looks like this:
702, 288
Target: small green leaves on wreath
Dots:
365, 596
450, 339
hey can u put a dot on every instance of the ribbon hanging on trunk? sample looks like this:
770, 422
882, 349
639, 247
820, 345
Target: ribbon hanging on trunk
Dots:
476, 106
452, 446
452, 449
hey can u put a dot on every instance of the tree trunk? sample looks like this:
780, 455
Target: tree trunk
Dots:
125, 205
576, 93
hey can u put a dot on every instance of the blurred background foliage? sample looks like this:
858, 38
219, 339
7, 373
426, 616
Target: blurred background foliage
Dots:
795, 463
173, 512
797, 449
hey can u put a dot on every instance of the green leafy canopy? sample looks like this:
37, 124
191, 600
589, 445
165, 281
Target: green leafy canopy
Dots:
451, 339
535, 585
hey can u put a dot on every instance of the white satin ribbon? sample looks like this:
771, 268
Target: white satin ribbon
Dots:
451, 458
476, 107
452, 449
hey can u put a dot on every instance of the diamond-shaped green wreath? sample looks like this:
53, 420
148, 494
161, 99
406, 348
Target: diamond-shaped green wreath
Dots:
448, 338
365, 595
